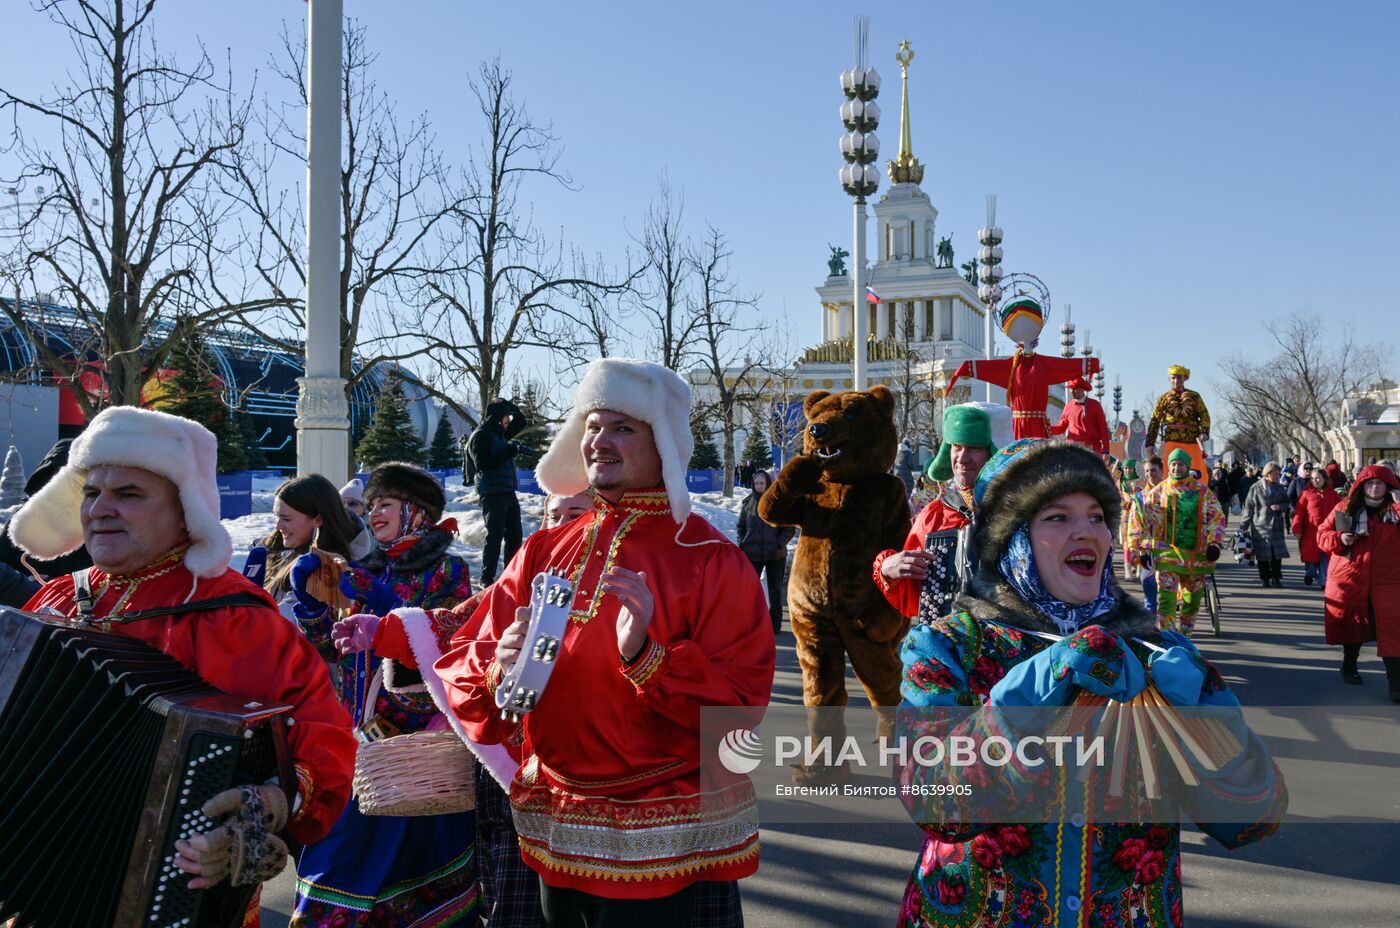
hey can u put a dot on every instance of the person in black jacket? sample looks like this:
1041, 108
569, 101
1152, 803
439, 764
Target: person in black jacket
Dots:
10, 553
766, 547
493, 458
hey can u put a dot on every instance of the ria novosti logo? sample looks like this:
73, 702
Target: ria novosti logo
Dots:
740, 751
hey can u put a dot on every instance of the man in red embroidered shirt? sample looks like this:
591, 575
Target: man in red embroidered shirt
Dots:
667, 617
139, 490
967, 445
1083, 420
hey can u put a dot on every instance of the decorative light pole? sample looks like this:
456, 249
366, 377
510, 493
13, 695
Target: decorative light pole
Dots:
1117, 401
990, 274
1098, 383
323, 426
1067, 336
859, 178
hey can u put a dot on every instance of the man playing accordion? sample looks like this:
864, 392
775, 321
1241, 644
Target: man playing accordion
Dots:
139, 490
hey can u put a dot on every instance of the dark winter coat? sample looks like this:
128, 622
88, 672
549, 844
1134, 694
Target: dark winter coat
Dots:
1314, 508
16, 588
1267, 527
493, 452
759, 540
1363, 582
1222, 491
10, 553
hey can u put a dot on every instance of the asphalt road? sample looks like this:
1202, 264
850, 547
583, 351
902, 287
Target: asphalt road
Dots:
1308, 874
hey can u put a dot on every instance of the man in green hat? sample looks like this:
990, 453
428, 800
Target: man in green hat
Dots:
1178, 531
967, 445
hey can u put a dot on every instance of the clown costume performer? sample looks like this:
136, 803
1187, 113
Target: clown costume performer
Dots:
1179, 530
1181, 419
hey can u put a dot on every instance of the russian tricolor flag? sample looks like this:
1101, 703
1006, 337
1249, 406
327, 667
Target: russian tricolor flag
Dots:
871, 296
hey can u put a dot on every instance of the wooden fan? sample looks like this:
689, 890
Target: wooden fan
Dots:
324, 584
1148, 721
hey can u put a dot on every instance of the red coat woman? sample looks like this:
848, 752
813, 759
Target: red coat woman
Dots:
1363, 582
1315, 505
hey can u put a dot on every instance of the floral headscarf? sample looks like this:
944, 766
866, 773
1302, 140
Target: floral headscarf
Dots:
1017, 566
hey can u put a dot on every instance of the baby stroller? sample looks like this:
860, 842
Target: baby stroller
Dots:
1244, 547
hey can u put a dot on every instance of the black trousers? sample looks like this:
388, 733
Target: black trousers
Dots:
502, 513
572, 908
777, 590
1270, 570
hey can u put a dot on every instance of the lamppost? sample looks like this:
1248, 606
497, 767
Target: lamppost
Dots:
859, 178
323, 426
1067, 336
1117, 401
990, 274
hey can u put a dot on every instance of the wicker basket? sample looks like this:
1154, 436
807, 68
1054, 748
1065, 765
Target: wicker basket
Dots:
425, 773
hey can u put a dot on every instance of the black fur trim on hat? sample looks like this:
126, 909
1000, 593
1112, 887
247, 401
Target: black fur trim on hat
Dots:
1045, 472
409, 483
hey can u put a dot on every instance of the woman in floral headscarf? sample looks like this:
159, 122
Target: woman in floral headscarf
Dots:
386, 870
1042, 620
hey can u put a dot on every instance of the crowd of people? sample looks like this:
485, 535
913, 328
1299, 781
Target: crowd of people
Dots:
587, 810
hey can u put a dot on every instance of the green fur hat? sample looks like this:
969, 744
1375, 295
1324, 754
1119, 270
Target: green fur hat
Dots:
962, 425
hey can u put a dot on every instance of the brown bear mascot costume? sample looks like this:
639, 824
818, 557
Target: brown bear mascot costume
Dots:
840, 493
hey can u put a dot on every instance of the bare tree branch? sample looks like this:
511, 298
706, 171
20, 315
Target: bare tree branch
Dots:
128, 194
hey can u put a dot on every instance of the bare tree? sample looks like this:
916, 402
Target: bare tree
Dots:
913, 389
394, 194
126, 226
594, 323
727, 344
665, 296
498, 284
1293, 397
785, 420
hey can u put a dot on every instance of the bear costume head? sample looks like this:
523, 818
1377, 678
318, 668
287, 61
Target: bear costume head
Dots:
852, 432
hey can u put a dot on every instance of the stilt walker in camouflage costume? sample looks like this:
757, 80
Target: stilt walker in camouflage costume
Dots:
1179, 531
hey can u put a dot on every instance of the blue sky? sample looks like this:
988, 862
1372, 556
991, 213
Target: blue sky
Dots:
1181, 173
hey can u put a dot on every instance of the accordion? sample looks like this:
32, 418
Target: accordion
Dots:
947, 572
108, 749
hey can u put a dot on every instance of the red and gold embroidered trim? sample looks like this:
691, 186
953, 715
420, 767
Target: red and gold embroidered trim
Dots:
603, 784
647, 665
628, 871
495, 673
305, 784
644, 502
582, 616
159, 568
880, 577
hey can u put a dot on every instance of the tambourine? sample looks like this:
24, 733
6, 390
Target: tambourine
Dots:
519, 692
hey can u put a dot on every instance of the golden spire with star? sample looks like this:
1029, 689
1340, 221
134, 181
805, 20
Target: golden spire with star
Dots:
905, 169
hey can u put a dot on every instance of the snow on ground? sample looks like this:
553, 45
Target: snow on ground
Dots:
462, 505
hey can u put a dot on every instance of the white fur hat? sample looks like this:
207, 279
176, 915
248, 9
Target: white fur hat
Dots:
1001, 422
182, 451
649, 392
354, 490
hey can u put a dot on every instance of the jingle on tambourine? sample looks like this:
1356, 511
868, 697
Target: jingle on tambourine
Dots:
519, 692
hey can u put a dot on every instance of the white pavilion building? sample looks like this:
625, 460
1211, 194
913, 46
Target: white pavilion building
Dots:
928, 322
